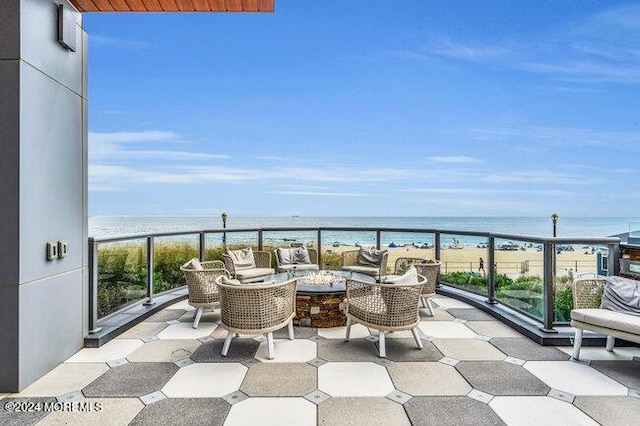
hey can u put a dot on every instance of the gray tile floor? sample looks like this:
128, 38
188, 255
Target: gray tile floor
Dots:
472, 370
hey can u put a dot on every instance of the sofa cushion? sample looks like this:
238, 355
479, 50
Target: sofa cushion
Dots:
608, 319
367, 270
300, 267
254, 273
242, 259
229, 281
370, 257
193, 264
297, 256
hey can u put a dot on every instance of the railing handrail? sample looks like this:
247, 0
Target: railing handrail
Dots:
549, 261
502, 236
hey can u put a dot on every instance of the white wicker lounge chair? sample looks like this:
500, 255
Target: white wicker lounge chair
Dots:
257, 309
203, 291
427, 268
384, 307
587, 315
289, 259
358, 261
247, 265
430, 270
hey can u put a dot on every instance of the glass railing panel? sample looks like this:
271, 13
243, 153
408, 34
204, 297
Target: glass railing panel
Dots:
334, 243
122, 274
240, 240
573, 261
464, 262
214, 246
407, 244
519, 267
170, 253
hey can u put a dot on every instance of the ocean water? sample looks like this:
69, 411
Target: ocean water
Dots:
584, 227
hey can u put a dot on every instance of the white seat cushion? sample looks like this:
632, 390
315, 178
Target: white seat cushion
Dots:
254, 273
608, 319
367, 270
300, 267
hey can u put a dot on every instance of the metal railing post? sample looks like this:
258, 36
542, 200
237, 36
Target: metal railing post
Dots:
202, 248
150, 268
613, 260
319, 237
491, 272
378, 232
437, 252
260, 239
548, 285
93, 287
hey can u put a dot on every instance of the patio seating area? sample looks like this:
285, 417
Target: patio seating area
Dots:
472, 370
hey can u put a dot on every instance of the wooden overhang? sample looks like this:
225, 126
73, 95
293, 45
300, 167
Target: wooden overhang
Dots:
173, 5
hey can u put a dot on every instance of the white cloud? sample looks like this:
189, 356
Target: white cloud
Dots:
116, 147
454, 159
96, 40
323, 194
125, 137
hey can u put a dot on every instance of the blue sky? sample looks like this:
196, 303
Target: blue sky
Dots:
368, 107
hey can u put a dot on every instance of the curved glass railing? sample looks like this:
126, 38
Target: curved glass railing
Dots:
530, 275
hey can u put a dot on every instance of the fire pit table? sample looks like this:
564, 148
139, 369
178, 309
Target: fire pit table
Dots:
320, 295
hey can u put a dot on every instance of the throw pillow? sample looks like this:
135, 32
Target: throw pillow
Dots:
370, 257
193, 264
242, 259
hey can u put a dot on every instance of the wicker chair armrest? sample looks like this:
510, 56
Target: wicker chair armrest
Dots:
229, 266
587, 292
313, 255
213, 264
262, 259
403, 263
383, 264
349, 258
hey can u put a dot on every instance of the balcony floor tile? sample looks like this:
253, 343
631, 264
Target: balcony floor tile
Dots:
283, 379
538, 410
361, 411
273, 411
575, 378
354, 379
523, 348
450, 410
428, 379
184, 411
205, 381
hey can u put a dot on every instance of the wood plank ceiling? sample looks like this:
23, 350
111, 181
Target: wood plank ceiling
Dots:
173, 5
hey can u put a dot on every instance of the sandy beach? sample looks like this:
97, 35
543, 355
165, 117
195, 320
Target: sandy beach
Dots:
513, 263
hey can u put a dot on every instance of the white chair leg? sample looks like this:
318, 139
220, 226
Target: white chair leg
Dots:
429, 307
416, 337
381, 346
270, 349
577, 342
227, 343
611, 342
196, 321
423, 301
290, 329
346, 338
